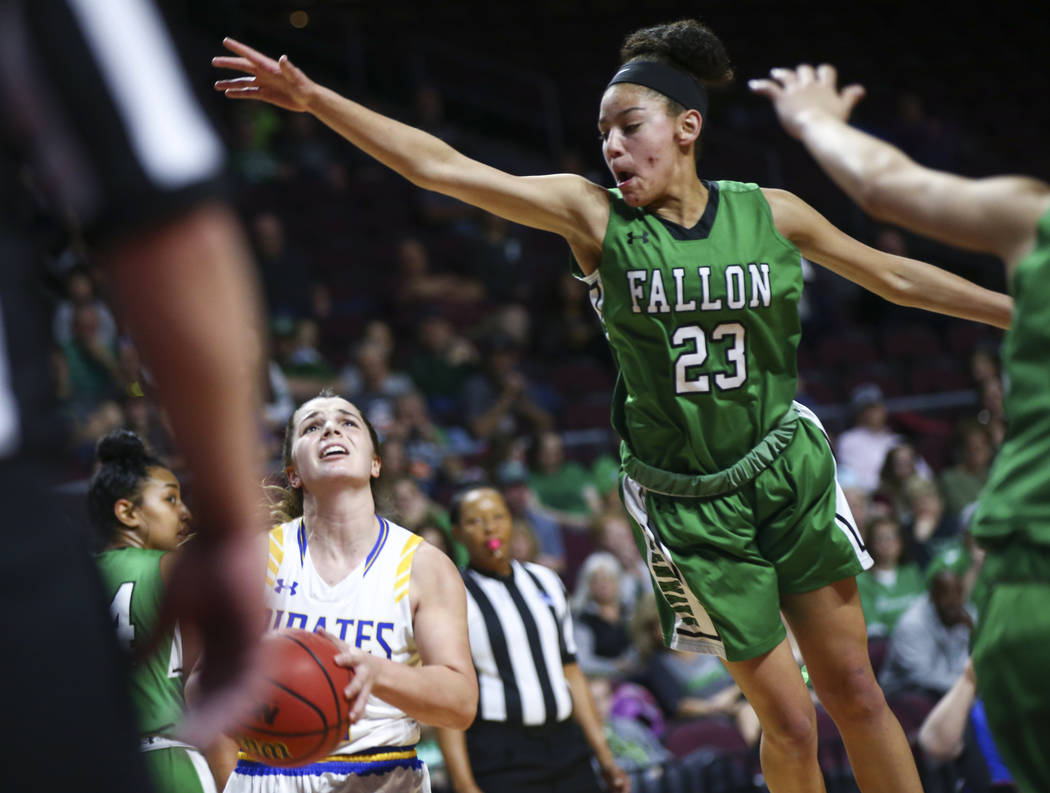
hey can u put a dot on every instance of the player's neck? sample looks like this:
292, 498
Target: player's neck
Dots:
685, 201
341, 525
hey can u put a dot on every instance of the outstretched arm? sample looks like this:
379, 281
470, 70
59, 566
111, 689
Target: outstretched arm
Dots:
565, 204
443, 691
994, 215
904, 281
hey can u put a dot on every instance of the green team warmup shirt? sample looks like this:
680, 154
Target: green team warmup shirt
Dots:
703, 324
133, 584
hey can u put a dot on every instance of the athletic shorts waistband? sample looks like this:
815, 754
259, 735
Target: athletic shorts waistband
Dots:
734, 477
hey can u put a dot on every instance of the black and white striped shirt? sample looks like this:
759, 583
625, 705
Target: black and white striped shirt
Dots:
520, 639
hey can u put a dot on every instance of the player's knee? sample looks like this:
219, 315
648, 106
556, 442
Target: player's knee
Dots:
853, 694
792, 731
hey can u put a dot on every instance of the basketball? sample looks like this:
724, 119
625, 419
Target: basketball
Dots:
301, 713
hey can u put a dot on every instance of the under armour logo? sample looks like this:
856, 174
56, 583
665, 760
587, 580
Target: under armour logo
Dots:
632, 236
282, 586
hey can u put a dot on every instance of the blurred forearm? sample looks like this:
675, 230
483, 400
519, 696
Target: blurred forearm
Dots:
186, 292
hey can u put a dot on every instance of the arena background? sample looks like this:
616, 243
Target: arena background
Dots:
517, 85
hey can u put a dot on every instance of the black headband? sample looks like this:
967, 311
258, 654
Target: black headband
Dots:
669, 81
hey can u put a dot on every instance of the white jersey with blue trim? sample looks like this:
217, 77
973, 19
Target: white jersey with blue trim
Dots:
370, 609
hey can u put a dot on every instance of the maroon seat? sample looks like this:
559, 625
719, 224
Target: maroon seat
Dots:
686, 737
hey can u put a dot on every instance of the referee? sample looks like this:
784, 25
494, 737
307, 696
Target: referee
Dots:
536, 728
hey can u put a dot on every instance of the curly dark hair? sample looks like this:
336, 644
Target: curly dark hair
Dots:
689, 46
124, 463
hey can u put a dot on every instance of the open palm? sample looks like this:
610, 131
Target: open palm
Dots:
277, 82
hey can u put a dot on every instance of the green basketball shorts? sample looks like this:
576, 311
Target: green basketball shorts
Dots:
720, 563
1011, 653
176, 767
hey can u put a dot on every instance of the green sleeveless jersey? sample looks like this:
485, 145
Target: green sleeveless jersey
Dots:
703, 324
133, 584
1016, 499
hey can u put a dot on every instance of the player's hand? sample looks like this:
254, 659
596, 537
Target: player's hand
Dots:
616, 780
365, 667
277, 82
801, 94
214, 590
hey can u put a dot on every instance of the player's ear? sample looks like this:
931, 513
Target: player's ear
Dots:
689, 125
377, 466
124, 510
293, 477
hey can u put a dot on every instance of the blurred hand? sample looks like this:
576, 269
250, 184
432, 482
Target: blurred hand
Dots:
215, 590
801, 94
277, 82
513, 384
616, 780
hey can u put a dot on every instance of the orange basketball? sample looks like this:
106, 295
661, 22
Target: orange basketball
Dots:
301, 713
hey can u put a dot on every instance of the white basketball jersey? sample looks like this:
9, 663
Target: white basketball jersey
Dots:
369, 609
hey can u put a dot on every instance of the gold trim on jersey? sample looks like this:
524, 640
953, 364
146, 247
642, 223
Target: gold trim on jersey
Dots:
403, 574
276, 555
364, 757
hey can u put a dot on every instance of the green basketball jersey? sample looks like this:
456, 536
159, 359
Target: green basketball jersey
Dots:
1016, 500
133, 584
704, 326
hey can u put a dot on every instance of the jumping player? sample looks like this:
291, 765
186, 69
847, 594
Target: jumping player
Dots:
1008, 217
135, 504
394, 603
731, 486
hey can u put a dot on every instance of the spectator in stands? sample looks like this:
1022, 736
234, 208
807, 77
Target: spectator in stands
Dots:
899, 470
862, 448
632, 740
927, 524
612, 532
985, 365
286, 270
80, 291
563, 488
567, 326
603, 644
499, 402
961, 483
956, 731
688, 685
962, 554
931, 643
374, 385
991, 414
513, 479
427, 444
889, 588
92, 362
496, 261
416, 512
418, 284
605, 473
302, 379
441, 364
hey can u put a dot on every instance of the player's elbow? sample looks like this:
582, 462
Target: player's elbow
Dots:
463, 717
877, 197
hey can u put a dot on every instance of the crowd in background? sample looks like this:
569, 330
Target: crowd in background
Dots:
475, 354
